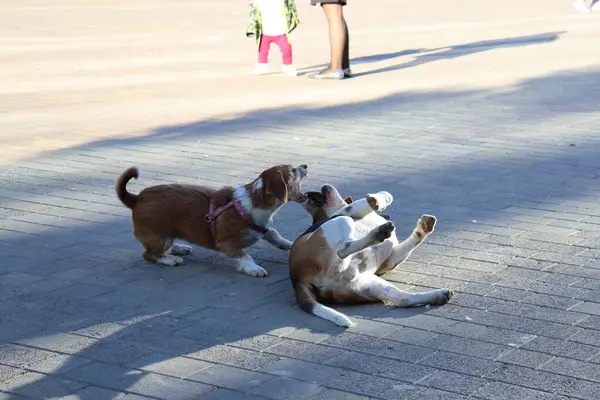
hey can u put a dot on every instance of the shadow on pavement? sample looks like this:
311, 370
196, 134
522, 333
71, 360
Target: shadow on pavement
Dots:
424, 55
82, 291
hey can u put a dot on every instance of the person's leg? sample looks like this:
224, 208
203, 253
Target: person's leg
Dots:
284, 45
337, 34
263, 55
346, 55
286, 49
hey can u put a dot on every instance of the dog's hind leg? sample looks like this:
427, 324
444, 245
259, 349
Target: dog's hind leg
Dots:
375, 287
180, 249
362, 207
156, 250
376, 236
402, 251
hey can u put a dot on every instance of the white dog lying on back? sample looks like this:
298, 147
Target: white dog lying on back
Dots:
341, 257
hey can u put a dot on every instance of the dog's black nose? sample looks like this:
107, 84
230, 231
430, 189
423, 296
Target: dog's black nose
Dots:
304, 166
325, 189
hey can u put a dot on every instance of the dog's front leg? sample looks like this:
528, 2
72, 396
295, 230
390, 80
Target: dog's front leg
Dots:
274, 238
243, 262
377, 235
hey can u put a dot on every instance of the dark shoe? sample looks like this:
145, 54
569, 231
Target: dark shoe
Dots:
339, 74
347, 72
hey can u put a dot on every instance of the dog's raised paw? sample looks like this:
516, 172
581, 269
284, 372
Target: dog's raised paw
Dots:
425, 225
384, 231
380, 200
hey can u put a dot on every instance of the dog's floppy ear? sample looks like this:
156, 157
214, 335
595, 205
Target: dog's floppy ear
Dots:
276, 186
348, 200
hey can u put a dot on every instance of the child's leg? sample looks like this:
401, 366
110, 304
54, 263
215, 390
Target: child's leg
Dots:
286, 49
263, 49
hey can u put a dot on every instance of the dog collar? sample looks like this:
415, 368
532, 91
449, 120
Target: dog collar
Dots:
213, 213
316, 226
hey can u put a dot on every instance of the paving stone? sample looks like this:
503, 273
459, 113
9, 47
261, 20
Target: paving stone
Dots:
381, 366
284, 388
459, 363
178, 367
38, 385
225, 394
525, 358
235, 357
561, 348
530, 378
453, 382
499, 390
330, 394
369, 385
94, 393
101, 374
431, 394
230, 377
162, 387
300, 370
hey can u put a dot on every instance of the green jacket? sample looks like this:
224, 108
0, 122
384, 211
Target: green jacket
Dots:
255, 24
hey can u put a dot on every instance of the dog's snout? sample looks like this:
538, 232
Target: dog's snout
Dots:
301, 171
325, 190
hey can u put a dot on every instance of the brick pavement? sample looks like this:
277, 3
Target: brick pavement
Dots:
499, 141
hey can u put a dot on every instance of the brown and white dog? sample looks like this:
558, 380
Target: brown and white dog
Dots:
226, 220
341, 257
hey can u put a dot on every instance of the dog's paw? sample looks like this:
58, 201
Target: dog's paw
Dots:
253, 270
442, 296
179, 249
425, 226
380, 200
170, 260
384, 231
285, 245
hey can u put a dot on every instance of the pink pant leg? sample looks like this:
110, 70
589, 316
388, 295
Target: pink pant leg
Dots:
285, 47
263, 49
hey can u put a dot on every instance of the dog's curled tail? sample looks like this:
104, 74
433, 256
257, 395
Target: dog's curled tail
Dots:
305, 296
130, 200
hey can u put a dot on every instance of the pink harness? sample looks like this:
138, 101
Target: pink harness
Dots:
213, 213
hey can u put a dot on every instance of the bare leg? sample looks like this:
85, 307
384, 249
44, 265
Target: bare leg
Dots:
274, 238
375, 287
402, 251
337, 35
376, 236
346, 55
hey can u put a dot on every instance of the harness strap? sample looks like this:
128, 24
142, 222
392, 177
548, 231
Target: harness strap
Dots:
213, 214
